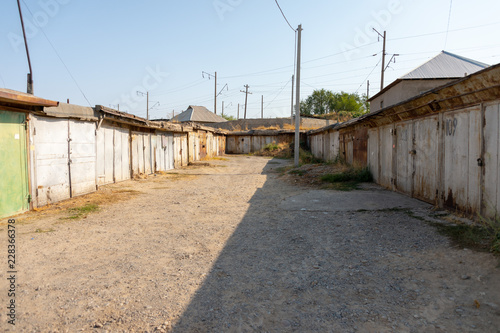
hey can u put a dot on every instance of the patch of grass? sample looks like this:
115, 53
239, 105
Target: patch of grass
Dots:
284, 169
274, 150
127, 191
214, 158
271, 146
81, 212
41, 231
306, 157
359, 175
416, 217
298, 172
492, 226
343, 186
464, 235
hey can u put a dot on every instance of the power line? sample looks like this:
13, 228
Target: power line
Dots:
443, 32
304, 62
368, 76
1, 78
279, 93
448, 26
339, 53
284, 15
342, 72
62, 61
180, 88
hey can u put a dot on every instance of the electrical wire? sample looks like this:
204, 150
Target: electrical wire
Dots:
448, 26
294, 65
284, 15
443, 32
180, 88
279, 93
57, 53
368, 75
1, 78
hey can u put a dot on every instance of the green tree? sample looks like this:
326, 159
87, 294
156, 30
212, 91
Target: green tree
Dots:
324, 102
318, 103
228, 118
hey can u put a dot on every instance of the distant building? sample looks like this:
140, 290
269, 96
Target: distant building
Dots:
198, 114
442, 69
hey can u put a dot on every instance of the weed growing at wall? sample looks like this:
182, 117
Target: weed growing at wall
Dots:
352, 174
492, 227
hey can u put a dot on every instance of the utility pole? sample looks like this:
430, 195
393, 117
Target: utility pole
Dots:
293, 85
262, 108
297, 100
29, 89
383, 58
215, 90
246, 98
238, 111
223, 108
215, 98
140, 93
383, 64
368, 89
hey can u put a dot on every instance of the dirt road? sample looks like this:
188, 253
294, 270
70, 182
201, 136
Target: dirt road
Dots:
235, 248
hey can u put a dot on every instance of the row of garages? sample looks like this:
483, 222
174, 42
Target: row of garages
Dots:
52, 152
441, 147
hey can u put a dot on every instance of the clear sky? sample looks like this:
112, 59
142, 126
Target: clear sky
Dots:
109, 50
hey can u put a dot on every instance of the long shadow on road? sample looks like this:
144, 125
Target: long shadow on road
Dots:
300, 261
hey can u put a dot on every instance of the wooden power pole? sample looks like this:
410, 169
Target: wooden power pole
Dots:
246, 99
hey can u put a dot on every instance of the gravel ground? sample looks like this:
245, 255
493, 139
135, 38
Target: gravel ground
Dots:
236, 248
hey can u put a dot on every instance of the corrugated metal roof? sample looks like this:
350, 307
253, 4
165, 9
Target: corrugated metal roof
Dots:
482, 86
64, 110
445, 65
17, 97
198, 114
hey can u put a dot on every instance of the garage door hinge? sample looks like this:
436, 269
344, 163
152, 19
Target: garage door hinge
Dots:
29, 198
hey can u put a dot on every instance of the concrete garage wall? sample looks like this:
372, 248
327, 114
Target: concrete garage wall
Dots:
252, 124
253, 141
403, 90
445, 152
325, 145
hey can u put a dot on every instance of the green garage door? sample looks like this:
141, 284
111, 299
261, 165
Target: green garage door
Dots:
13, 164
